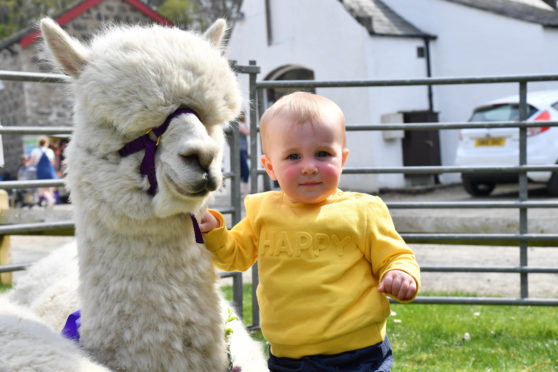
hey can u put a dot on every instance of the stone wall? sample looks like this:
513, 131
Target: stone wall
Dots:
12, 111
48, 104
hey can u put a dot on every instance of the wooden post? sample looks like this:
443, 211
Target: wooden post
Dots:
5, 251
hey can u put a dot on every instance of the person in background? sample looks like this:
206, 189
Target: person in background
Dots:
243, 133
43, 158
327, 259
22, 167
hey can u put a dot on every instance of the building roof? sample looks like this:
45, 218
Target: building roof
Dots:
379, 19
31, 34
534, 11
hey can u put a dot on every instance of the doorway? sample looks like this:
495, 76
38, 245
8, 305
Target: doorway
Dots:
289, 72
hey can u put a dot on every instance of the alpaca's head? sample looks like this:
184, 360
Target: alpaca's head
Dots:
128, 80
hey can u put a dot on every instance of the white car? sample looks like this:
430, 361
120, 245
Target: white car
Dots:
500, 146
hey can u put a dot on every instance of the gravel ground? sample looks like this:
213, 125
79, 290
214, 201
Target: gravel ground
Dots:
32, 248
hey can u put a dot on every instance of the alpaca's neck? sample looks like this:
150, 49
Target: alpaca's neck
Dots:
147, 294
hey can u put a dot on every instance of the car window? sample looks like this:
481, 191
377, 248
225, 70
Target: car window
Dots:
555, 105
504, 112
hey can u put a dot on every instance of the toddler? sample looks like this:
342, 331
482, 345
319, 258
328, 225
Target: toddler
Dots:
326, 258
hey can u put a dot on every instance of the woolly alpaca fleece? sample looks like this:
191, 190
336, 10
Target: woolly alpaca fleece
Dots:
23, 334
49, 287
41, 300
147, 291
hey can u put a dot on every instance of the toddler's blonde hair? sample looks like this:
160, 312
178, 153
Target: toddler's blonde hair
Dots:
301, 107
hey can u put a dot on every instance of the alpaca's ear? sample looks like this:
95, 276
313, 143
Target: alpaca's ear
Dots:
69, 52
215, 32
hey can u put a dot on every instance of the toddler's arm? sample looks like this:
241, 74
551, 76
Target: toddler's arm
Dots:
234, 249
399, 284
208, 222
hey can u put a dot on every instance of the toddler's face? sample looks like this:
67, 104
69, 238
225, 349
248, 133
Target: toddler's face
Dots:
306, 159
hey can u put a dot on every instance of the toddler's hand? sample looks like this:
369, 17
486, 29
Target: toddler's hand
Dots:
208, 222
399, 284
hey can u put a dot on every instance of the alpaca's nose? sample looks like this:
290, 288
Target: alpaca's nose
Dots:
201, 157
201, 162
193, 160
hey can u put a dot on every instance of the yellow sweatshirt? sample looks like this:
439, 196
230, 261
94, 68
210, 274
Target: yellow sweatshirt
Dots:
319, 266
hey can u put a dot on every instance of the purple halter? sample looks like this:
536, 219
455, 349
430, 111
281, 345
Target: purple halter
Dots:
150, 144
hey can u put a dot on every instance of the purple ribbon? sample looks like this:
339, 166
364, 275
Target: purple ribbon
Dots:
150, 144
71, 328
197, 231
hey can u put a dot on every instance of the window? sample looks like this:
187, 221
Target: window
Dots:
503, 112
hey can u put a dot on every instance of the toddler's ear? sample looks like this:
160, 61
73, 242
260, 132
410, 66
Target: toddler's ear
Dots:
345, 154
268, 167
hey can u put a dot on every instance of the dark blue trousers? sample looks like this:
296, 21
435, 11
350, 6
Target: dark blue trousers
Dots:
377, 357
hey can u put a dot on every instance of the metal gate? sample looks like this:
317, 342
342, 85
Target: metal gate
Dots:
522, 240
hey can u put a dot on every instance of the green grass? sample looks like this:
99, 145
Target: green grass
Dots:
502, 338
432, 337
5, 287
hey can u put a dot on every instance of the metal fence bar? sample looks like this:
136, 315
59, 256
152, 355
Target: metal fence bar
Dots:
33, 77
540, 240
254, 108
551, 238
24, 228
433, 300
349, 127
238, 302
235, 176
36, 130
443, 169
523, 193
9, 185
235, 212
404, 82
448, 125
489, 269
472, 204
14, 267
543, 240
453, 169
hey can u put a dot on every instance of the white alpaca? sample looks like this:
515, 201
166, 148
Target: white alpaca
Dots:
147, 290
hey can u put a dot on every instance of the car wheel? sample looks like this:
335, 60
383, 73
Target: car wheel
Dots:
477, 188
552, 185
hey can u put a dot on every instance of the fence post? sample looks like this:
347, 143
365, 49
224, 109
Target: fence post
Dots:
5, 251
523, 192
254, 120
